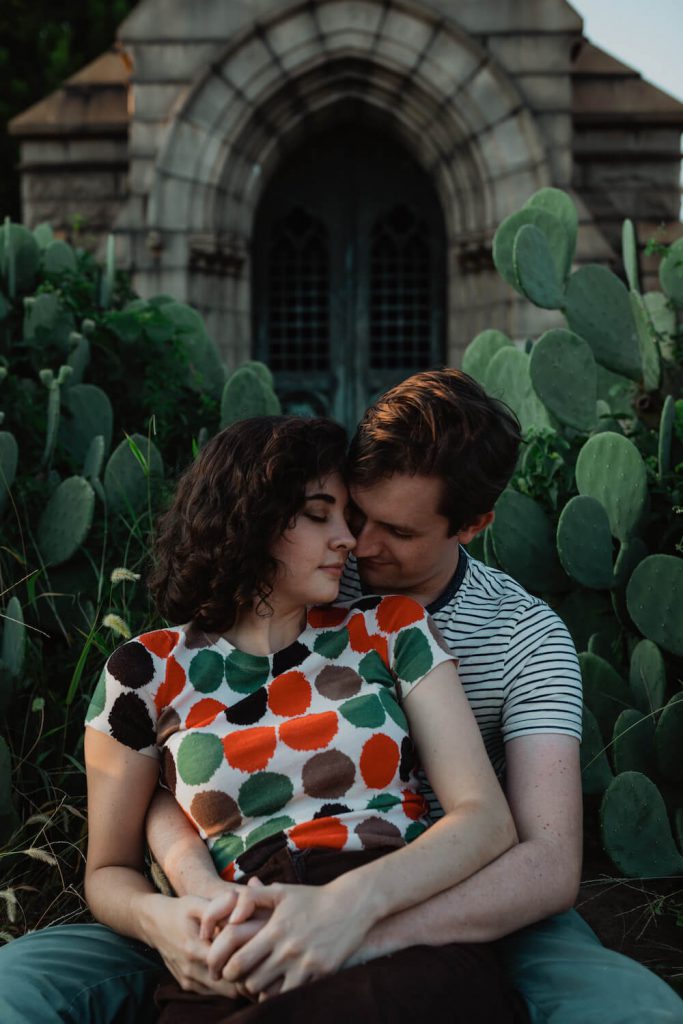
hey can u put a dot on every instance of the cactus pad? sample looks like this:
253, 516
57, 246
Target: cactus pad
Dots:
94, 459
598, 309
671, 273
127, 486
207, 370
66, 520
647, 343
559, 204
25, 256
13, 638
9, 457
611, 469
59, 258
669, 740
481, 351
564, 377
633, 746
596, 773
629, 254
508, 378
584, 542
535, 270
635, 828
87, 413
604, 691
524, 543
647, 676
666, 426
555, 234
245, 394
655, 601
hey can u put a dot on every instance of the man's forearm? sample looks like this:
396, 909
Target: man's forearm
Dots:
522, 886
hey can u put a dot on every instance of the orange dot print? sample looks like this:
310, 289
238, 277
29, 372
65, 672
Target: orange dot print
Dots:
174, 680
228, 872
321, 617
203, 713
289, 694
395, 613
379, 761
161, 642
414, 804
250, 750
312, 732
361, 640
328, 832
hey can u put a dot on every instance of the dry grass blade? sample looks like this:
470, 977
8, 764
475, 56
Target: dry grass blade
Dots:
11, 903
38, 854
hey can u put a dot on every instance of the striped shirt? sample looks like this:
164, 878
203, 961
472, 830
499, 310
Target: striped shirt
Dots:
518, 664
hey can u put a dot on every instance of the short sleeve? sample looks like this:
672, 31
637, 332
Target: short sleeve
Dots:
415, 644
543, 692
126, 701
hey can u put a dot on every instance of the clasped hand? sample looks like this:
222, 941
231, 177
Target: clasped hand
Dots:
298, 933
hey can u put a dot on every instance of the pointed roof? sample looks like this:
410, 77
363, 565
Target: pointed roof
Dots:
94, 101
605, 90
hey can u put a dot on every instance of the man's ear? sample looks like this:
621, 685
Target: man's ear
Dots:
468, 533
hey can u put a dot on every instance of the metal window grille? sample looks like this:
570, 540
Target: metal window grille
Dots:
299, 290
400, 294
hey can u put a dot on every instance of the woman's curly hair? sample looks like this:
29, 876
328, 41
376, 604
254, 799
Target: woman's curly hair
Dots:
212, 549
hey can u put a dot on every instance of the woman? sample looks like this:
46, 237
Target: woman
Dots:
282, 726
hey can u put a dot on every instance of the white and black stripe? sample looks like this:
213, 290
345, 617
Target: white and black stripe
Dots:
517, 660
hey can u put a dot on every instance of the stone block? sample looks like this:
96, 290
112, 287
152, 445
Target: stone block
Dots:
154, 102
141, 175
249, 66
532, 53
178, 19
66, 151
509, 145
132, 215
209, 103
396, 53
157, 281
513, 190
546, 91
293, 32
510, 15
146, 138
448, 62
164, 63
414, 32
169, 203
343, 14
487, 98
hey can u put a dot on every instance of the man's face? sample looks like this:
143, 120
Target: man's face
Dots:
402, 539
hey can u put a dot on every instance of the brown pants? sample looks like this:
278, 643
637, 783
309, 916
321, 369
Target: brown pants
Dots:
453, 984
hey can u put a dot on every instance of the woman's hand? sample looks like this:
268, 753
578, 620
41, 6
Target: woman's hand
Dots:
311, 932
172, 927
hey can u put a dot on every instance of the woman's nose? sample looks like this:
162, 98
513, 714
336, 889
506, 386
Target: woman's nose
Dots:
345, 539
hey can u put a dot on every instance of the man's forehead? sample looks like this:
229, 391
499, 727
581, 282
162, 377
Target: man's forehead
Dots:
402, 496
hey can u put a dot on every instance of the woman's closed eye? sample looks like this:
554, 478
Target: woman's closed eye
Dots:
322, 518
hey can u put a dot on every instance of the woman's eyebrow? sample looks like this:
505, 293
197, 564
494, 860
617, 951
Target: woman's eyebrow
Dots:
322, 496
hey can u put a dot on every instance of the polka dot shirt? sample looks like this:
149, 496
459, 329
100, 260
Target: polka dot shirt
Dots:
307, 747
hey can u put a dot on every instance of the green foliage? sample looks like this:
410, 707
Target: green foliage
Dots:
590, 520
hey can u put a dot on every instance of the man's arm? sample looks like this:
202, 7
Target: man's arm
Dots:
531, 881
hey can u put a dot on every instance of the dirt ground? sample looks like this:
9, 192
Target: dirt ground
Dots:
642, 918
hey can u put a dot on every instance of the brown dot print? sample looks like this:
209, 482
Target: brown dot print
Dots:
167, 723
374, 832
196, 638
337, 682
169, 775
328, 775
215, 812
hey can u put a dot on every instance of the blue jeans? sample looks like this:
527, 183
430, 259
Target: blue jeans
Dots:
87, 974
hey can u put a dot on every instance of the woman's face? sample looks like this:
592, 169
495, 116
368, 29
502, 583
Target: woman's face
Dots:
312, 551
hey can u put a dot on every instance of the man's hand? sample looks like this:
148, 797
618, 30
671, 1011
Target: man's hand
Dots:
311, 932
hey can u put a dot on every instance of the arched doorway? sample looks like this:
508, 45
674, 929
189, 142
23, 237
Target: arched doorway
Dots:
348, 272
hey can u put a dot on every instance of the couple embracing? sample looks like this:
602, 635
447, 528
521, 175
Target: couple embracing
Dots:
335, 722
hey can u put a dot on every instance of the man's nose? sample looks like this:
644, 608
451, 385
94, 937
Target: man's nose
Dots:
367, 542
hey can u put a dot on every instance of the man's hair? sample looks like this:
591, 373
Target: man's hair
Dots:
212, 549
440, 423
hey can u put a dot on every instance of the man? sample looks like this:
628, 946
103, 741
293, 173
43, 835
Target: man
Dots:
428, 462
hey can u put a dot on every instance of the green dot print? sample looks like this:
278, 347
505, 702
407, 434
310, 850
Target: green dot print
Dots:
393, 709
373, 670
363, 712
269, 828
98, 699
265, 793
414, 830
206, 671
245, 673
383, 802
199, 755
330, 644
412, 655
225, 850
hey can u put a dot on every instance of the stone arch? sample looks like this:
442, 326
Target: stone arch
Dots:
420, 79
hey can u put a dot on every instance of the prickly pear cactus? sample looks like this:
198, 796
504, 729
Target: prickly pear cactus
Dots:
246, 394
635, 828
655, 601
584, 543
611, 469
132, 476
87, 413
66, 520
524, 543
13, 638
599, 310
9, 457
564, 376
